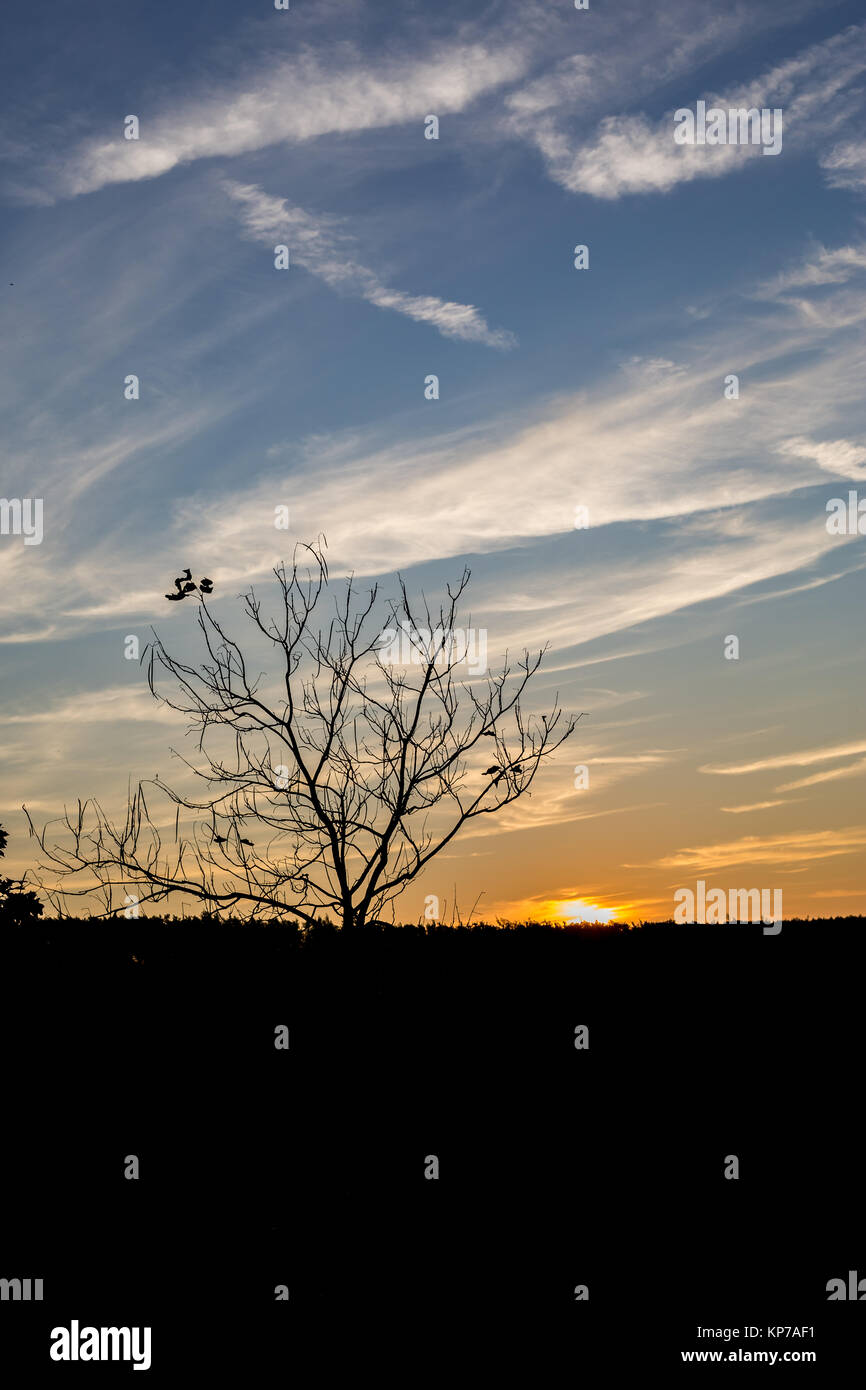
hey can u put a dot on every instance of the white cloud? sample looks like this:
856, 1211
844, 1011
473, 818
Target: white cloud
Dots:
837, 456
845, 165
656, 444
308, 96
571, 79
821, 267
319, 246
292, 101
633, 154
653, 445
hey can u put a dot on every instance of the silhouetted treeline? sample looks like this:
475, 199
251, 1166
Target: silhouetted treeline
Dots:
426, 930
210, 940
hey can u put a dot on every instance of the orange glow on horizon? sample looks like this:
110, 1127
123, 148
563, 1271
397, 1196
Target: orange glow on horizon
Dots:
576, 910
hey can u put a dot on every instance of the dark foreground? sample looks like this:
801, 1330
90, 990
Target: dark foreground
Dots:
559, 1167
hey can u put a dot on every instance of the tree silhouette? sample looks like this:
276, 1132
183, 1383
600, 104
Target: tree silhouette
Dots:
358, 770
19, 907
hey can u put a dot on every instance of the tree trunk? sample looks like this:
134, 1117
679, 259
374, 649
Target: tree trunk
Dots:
353, 917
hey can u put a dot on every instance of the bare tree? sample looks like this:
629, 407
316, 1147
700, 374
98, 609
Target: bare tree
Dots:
358, 769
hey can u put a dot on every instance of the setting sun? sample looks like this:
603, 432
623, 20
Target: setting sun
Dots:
576, 910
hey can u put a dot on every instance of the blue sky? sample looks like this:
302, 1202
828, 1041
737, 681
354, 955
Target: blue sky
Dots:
558, 388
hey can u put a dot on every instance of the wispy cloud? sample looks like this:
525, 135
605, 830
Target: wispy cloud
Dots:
653, 444
97, 707
837, 456
832, 775
319, 245
802, 759
822, 266
290, 101
755, 806
769, 849
635, 154
845, 165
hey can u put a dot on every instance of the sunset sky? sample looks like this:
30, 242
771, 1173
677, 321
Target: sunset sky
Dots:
559, 389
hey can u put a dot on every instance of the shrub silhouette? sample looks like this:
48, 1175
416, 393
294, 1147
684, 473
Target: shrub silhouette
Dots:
18, 906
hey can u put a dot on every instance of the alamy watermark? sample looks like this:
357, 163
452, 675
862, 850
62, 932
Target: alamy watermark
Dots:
855, 1288
737, 905
22, 516
737, 126
21, 1290
416, 646
102, 1344
846, 519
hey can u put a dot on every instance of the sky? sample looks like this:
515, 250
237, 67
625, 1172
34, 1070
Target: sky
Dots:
605, 389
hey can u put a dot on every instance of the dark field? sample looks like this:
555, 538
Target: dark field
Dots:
559, 1166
